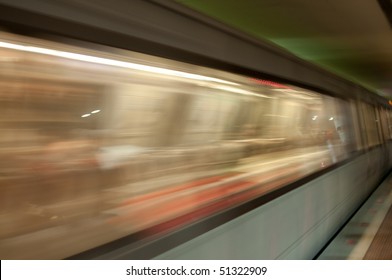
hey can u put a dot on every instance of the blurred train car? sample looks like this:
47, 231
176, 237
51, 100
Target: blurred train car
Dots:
122, 136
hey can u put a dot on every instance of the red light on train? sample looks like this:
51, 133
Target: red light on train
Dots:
268, 83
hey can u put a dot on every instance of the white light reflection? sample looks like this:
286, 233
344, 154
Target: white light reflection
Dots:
331, 118
95, 111
240, 91
86, 115
111, 62
314, 118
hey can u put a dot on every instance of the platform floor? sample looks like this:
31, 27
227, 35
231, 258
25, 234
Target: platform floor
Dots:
368, 235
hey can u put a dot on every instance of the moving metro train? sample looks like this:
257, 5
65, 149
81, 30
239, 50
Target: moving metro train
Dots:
122, 144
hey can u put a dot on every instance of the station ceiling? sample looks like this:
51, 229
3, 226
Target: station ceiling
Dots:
352, 38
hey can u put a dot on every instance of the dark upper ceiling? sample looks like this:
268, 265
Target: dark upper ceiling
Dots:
351, 38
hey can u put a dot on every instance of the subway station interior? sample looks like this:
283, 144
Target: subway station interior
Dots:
196, 129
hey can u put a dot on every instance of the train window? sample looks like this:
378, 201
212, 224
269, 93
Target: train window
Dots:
374, 125
355, 120
99, 145
383, 123
362, 123
389, 123
347, 127
370, 124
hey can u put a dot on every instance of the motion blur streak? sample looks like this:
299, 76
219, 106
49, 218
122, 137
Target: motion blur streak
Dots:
96, 148
109, 62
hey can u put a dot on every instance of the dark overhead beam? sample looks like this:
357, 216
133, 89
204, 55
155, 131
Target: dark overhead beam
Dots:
386, 7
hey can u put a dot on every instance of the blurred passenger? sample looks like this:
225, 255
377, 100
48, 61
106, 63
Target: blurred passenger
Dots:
71, 154
329, 140
249, 131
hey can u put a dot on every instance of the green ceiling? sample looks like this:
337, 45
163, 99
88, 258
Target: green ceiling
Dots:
324, 32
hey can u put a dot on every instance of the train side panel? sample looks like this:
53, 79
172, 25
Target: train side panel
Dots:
296, 225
